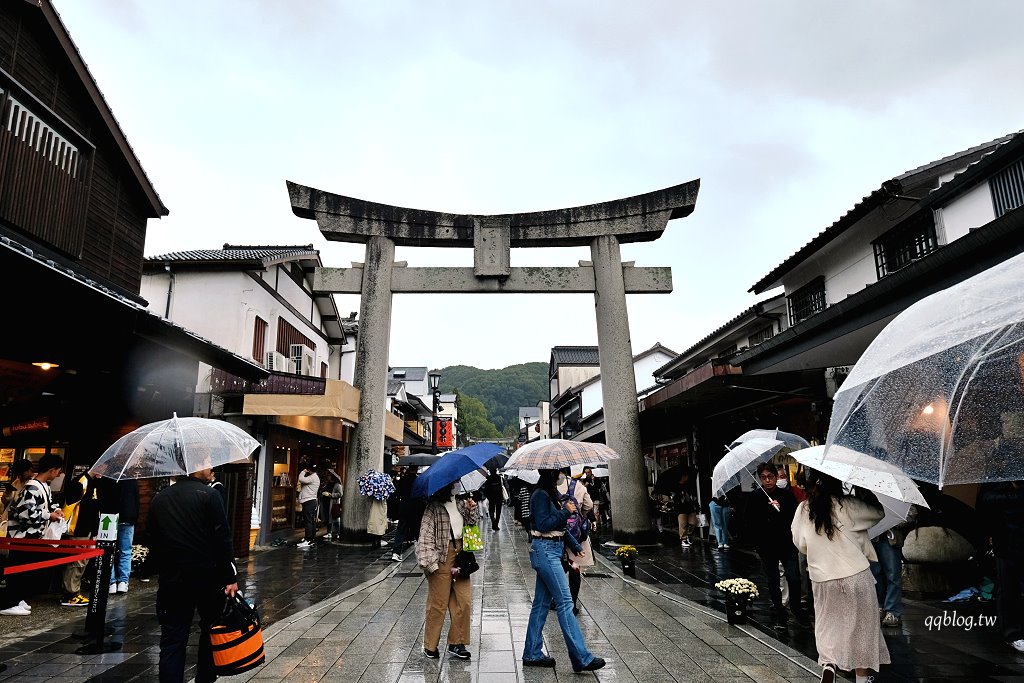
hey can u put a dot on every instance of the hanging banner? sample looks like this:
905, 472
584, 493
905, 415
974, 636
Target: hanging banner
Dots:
444, 438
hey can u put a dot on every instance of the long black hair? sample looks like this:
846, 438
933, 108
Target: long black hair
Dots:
549, 484
822, 492
443, 494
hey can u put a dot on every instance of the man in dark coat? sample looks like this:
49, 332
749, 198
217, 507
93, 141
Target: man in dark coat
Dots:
410, 511
1001, 507
770, 518
190, 536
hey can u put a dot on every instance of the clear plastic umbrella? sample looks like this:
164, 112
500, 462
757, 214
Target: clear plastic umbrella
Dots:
739, 464
174, 447
939, 392
794, 442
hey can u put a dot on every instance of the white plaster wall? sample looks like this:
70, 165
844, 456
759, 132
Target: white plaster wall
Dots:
222, 307
571, 376
591, 398
969, 210
348, 360
545, 419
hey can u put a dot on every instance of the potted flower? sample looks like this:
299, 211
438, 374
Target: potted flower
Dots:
738, 594
627, 554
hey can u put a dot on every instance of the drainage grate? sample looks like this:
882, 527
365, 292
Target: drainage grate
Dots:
596, 575
409, 575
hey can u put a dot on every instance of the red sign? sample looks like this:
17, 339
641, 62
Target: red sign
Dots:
443, 436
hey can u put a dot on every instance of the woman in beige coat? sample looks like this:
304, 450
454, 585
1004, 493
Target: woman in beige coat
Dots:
831, 529
574, 565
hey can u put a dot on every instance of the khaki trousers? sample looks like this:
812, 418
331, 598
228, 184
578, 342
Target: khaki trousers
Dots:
445, 595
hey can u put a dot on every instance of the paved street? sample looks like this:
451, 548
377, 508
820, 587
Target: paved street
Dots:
345, 613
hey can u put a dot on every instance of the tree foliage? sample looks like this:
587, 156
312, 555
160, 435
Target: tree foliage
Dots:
502, 392
472, 420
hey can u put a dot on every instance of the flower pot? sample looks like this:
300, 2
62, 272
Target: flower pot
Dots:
629, 567
736, 609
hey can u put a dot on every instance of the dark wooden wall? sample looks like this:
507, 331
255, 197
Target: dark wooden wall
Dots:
96, 217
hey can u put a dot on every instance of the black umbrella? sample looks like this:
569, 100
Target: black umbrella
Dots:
417, 460
668, 481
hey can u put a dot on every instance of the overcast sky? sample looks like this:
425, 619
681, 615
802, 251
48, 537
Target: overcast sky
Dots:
789, 112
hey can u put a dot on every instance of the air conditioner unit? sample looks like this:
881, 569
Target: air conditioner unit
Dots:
276, 362
304, 358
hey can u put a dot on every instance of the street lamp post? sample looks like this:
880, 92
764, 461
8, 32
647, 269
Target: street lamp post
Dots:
435, 380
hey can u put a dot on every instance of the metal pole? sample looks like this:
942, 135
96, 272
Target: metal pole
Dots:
433, 423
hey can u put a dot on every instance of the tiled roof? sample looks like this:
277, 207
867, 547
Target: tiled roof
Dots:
411, 374
238, 254
748, 313
894, 187
575, 355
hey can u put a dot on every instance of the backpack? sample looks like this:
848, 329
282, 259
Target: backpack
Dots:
578, 526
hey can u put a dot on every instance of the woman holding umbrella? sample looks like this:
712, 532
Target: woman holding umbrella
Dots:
439, 543
832, 530
549, 540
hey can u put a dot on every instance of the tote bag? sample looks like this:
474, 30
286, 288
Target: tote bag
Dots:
471, 538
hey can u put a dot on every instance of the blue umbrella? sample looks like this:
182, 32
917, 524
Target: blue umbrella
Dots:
452, 466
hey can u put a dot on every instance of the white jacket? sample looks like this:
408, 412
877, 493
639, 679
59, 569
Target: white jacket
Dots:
849, 550
310, 485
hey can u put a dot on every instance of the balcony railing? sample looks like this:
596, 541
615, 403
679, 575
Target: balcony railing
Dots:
222, 382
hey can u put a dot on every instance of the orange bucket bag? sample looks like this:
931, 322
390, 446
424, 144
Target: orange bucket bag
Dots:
237, 638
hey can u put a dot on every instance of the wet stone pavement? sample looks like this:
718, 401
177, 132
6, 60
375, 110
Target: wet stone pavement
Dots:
336, 613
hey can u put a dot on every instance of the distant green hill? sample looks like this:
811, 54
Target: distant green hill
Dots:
502, 391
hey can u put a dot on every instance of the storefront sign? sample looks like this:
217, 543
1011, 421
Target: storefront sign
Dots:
39, 425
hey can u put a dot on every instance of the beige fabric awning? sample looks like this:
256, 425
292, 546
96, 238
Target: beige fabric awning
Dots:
394, 428
340, 399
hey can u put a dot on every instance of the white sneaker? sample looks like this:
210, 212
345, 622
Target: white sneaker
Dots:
25, 605
1018, 645
396, 557
16, 611
113, 589
122, 586
303, 544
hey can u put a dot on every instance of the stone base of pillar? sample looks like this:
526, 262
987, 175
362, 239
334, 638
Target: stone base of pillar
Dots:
639, 538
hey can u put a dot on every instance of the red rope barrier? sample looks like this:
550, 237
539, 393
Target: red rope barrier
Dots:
74, 550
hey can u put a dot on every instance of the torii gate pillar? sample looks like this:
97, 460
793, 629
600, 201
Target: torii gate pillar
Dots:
602, 227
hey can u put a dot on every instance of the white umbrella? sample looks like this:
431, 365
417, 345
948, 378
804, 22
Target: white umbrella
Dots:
861, 470
577, 470
529, 476
894, 490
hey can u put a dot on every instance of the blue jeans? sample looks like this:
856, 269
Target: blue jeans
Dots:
888, 572
123, 566
720, 522
546, 559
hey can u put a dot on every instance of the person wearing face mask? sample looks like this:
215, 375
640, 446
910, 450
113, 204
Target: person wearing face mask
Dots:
770, 513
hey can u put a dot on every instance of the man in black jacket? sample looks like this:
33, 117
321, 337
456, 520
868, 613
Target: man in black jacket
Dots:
1001, 507
190, 536
770, 518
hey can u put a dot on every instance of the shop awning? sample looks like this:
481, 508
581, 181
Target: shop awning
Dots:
340, 399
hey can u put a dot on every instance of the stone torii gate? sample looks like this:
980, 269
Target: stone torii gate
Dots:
602, 227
